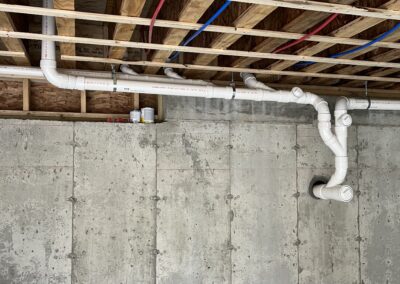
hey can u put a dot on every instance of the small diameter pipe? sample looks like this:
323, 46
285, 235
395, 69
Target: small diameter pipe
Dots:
154, 17
175, 54
303, 38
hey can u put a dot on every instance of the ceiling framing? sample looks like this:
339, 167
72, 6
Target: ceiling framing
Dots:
242, 39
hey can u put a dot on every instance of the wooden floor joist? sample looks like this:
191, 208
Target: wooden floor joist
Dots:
303, 22
124, 32
169, 48
191, 13
189, 26
387, 56
13, 44
248, 19
66, 27
329, 8
351, 29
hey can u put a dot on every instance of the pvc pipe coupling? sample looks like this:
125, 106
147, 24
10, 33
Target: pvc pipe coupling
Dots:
343, 193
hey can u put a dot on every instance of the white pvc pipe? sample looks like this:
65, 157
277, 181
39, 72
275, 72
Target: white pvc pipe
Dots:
251, 81
364, 104
21, 72
343, 193
66, 81
337, 143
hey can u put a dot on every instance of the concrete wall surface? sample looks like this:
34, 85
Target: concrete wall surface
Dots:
194, 202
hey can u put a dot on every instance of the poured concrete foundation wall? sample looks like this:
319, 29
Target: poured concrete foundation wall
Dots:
194, 202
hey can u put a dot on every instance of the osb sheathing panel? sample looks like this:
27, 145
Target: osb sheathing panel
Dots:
45, 97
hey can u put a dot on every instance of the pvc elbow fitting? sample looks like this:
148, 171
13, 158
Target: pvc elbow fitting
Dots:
342, 193
169, 72
127, 70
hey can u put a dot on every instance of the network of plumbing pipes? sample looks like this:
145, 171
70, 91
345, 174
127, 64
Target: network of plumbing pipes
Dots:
175, 85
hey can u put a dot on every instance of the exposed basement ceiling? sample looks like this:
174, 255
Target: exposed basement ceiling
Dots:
92, 35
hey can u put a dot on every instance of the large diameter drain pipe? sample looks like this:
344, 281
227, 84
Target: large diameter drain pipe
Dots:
342, 121
336, 142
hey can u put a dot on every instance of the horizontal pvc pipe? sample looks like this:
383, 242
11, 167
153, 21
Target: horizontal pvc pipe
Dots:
21, 72
373, 104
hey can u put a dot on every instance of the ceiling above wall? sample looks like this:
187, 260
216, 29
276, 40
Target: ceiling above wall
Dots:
285, 43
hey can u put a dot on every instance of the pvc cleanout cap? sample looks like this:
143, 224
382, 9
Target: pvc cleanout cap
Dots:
346, 192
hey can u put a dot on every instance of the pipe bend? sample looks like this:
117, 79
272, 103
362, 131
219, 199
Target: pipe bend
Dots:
60, 80
127, 70
169, 72
342, 104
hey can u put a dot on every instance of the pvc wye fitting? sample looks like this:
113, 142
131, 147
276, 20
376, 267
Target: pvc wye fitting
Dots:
342, 193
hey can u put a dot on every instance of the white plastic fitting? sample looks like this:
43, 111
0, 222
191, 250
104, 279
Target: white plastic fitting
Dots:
169, 72
251, 82
343, 193
345, 120
127, 70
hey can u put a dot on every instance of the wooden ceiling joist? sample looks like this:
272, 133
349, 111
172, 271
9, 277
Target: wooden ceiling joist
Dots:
292, 27
351, 29
66, 27
200, 50
328, 7
132, 8
191, 13
248, 19
387, 56
303, 22
13, 44
237, 31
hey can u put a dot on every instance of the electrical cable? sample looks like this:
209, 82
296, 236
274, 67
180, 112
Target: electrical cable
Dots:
303, 38
175, 54
356, 49
154, 17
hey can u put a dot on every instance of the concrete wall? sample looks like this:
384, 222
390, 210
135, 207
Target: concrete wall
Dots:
194, 202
